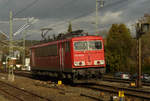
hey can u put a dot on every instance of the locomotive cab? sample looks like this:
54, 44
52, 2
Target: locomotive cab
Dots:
88, 57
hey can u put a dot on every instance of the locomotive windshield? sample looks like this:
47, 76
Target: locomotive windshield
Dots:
95, 45
80, 45
88, 45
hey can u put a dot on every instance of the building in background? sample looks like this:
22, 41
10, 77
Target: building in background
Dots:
3, 44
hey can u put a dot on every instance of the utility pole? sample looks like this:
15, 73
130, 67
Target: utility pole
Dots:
10, 34
10, 64
96, 20
24, 49
101, 2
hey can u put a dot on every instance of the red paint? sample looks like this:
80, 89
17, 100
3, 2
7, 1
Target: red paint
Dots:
64, 60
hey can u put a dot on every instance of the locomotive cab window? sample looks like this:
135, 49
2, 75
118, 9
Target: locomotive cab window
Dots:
80, 45
95, 45
87, 45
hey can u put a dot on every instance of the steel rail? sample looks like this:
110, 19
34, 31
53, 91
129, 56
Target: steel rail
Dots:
22, 90
112, 79
114, 89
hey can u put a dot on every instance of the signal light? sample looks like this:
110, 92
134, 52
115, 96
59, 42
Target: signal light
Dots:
98, 62
80, 63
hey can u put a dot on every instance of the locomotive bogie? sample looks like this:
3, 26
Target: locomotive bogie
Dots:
90, 73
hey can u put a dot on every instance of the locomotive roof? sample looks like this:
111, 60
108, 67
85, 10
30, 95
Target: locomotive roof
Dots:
68, 39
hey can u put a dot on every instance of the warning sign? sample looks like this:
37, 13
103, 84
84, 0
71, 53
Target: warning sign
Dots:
121, 93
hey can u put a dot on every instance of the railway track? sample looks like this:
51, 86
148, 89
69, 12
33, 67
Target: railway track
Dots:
105, 78
18, 94
131, 92
23, 73
112, 79
19, 72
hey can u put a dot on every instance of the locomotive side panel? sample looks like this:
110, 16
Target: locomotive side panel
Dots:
46, 58
67, 57
53, 57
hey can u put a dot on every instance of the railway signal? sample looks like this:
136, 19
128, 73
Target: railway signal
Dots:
142, 27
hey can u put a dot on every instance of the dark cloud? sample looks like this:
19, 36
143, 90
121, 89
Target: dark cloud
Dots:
57, 13
46, 8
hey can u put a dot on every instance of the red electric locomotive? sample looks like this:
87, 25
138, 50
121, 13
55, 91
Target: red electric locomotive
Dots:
73, 57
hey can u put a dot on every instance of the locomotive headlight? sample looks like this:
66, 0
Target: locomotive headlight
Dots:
76, 63
99, 62
79, 63
102, 62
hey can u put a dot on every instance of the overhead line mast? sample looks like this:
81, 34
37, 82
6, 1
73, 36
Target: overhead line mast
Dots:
101, 3
10, 64
10, 35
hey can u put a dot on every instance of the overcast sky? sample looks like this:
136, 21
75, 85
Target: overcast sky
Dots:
56, 14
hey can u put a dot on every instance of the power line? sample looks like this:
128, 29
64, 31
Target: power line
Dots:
27, 7
91, 11
68, 3
75, 18
5, 5
114, 4
34, 2
30, 5
87, 13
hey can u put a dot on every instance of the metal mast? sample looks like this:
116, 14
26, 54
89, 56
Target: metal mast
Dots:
24, 49
10, 34
101, 3
10, 68
96, 20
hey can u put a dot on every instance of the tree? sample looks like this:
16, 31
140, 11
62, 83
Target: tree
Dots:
146, 46
70, 27
118, 47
